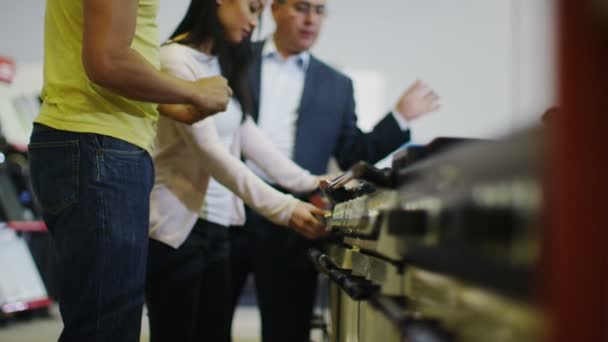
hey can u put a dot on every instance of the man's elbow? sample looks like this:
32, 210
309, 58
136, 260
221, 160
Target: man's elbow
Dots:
100, 69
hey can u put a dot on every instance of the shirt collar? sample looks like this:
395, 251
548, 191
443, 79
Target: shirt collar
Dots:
270, 51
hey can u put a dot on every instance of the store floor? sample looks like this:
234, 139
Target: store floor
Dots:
246, 326
47, 329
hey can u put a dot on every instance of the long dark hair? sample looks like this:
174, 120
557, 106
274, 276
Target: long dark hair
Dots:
201, 24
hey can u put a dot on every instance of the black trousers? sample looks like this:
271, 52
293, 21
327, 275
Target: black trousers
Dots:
188, 290
285, 279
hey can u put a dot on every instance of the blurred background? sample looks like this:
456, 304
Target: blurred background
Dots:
492, 62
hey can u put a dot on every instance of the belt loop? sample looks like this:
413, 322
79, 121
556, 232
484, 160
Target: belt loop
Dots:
99, 139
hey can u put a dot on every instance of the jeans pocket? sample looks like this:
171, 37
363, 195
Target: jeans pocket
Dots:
117, 147
54, 173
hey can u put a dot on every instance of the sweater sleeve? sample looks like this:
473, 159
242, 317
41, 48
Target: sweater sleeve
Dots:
257, 147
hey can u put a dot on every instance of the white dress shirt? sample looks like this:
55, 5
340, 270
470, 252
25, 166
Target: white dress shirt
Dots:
282, 84
187, 156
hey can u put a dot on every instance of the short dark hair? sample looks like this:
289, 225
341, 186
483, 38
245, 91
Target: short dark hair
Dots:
200, 24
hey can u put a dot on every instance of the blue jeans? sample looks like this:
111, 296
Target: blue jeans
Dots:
94, 191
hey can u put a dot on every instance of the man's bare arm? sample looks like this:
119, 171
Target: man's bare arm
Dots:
109, 61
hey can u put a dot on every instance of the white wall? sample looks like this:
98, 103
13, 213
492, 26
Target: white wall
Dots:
460, 47
535, 66
21, 25
491, 61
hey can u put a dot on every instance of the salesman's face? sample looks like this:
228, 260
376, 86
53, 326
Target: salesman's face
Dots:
298, 23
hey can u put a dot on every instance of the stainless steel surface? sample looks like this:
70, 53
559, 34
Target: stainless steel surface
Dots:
471, 313
373, 326
444, 248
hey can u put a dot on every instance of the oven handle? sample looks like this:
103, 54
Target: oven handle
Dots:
410, 323
362, 171
356, 287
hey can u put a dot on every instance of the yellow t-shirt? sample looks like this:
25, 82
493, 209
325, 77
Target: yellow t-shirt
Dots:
71, 101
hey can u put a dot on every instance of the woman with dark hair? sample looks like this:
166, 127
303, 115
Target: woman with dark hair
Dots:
201, 182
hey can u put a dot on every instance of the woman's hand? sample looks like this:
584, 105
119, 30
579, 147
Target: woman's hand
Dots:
305, 220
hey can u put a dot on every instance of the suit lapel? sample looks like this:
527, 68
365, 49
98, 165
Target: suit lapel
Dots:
255, 77
307, 101
306, 108
309, 92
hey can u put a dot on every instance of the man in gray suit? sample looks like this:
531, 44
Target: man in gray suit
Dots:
307, 108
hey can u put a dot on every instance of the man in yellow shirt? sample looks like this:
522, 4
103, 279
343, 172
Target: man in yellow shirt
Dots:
90, 155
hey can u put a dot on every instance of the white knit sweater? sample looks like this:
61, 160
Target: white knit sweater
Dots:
187, 156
